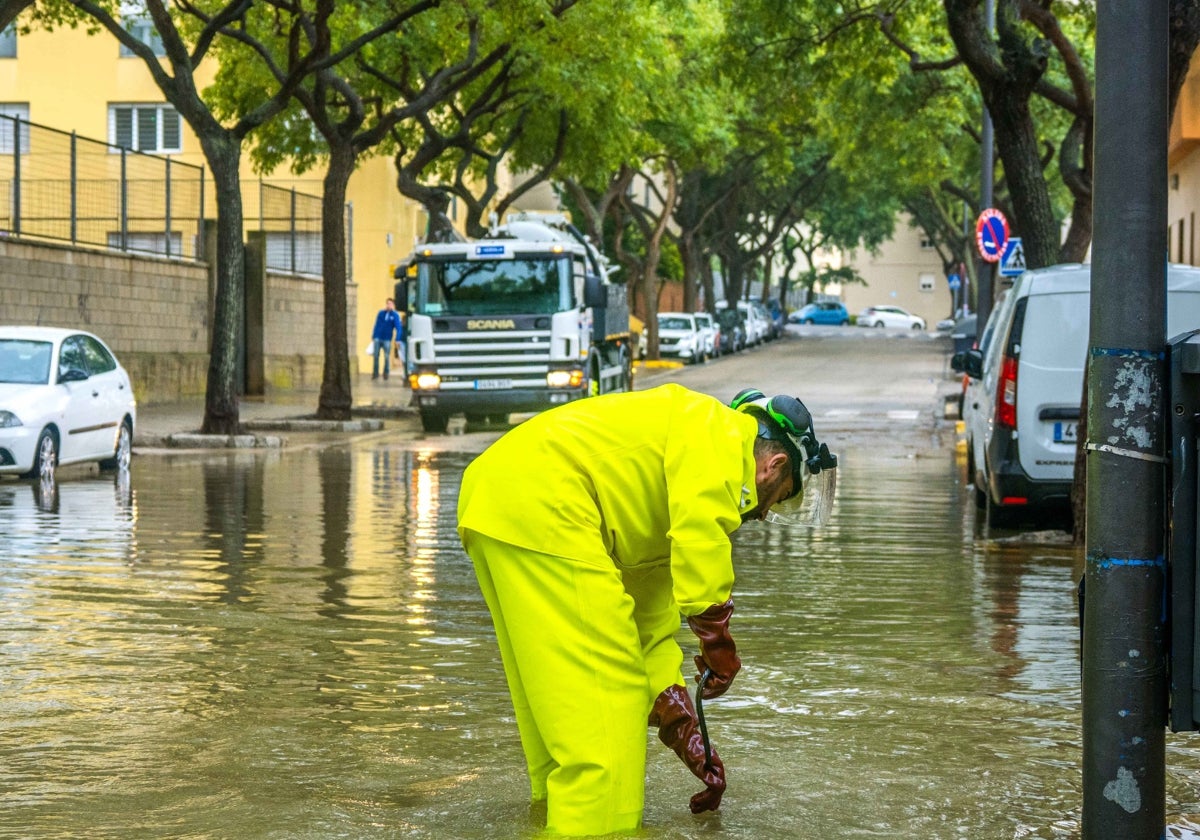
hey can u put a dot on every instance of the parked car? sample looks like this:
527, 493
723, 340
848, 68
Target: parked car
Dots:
821, 312
890, 316
1021, 409
679, 337
711, 331
64, 398
754, 320
733, 331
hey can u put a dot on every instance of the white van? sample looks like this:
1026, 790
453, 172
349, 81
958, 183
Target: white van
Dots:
1022, 412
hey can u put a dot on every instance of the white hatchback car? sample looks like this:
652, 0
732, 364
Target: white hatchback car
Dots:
890, 316
64, 398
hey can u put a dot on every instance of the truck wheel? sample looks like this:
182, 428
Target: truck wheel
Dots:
435, 421
594, 379
626, 372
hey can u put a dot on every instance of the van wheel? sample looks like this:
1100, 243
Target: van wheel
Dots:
998, 516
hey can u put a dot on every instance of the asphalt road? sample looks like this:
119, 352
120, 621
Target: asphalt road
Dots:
855, 381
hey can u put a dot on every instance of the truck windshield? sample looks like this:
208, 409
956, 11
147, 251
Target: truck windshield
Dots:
495, 287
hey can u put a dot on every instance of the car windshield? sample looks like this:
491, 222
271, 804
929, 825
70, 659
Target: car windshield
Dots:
674, 324
25, 362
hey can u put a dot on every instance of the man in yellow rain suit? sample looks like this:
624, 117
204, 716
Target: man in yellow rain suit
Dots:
593, 527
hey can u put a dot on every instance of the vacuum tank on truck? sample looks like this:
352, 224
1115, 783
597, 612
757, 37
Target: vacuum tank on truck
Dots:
522, 320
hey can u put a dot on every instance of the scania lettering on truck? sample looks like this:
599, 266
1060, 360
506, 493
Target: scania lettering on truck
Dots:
520, 321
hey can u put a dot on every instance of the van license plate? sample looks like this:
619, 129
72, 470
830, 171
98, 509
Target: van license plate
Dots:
492, 384
1064, 432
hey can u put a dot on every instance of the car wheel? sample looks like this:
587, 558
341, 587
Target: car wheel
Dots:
845, 322
808, 321
917, 326
45, 457
123, 452
879, 324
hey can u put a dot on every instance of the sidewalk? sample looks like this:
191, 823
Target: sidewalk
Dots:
178, 423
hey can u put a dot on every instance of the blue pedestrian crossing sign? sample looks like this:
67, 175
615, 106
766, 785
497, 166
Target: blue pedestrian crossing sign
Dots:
954, 281
1012, 261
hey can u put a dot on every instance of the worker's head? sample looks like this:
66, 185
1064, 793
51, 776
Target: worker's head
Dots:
795, 472
390, 303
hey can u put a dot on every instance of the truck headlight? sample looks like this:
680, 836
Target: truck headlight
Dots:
564, 378
425, 381
7, 418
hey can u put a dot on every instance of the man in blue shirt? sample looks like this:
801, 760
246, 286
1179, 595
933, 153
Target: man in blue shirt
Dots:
387, 325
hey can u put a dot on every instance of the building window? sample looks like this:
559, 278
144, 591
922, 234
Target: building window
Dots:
8, 127
140, 26
145, 128
926, 243
8, 41
926, 282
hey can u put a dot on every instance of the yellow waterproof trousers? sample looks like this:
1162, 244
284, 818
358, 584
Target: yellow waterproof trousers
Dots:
586, 649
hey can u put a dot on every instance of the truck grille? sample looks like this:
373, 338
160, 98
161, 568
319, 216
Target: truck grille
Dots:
516, 354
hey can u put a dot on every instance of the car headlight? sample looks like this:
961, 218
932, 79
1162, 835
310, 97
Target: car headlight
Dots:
7, 419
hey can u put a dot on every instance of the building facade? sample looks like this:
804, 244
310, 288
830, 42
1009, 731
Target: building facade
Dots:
103, 93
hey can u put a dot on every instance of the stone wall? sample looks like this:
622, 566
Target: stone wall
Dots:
155, 314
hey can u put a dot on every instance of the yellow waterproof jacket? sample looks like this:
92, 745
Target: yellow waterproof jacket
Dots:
634, 479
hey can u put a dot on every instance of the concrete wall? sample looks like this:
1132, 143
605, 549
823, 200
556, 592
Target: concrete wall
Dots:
154, 314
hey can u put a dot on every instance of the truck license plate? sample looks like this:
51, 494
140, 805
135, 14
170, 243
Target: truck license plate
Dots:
492, 384
1064, 432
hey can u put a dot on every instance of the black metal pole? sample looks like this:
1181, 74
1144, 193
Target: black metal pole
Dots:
1124, 651
983, 276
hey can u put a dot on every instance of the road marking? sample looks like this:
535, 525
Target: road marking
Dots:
841, 412
903, 415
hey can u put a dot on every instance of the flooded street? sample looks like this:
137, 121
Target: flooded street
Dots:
291, 644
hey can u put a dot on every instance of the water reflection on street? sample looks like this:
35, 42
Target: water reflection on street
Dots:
292, 645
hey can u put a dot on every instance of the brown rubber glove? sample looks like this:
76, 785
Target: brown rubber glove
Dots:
679, 729
717, 650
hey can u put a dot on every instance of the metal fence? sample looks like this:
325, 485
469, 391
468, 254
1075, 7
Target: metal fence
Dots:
290, 222
59, 186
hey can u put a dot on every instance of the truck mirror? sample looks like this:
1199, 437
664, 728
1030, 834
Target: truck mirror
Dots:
594, 293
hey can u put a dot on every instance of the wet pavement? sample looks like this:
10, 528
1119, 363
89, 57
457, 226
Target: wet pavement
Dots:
290, 643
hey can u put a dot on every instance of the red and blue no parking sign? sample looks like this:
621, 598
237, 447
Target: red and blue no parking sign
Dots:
991, 234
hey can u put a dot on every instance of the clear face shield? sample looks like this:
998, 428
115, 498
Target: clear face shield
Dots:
812, 506
814, 467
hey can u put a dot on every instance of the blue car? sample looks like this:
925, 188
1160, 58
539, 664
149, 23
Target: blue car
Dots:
822, 312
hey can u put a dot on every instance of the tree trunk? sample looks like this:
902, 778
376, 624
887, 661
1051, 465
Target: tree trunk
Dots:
222, 390
1016, 140
335, 400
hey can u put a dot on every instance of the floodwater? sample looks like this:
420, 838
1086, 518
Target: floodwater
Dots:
292, 645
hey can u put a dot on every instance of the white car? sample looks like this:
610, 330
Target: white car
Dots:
679, 336
64, 399
890, 316
711, 331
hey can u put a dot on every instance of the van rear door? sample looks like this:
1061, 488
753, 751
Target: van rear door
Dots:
1053, 347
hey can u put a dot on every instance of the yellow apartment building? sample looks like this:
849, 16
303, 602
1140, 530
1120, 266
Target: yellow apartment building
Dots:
84, 83
1183, 171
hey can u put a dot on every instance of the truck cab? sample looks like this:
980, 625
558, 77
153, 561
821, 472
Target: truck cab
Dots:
520, 321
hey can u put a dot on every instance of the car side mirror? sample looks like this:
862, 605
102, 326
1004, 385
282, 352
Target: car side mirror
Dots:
72, 375
969, 362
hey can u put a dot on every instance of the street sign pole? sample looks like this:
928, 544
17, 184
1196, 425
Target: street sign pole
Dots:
1124, 646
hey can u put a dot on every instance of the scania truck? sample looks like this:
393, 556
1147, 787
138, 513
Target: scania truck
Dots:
520, 321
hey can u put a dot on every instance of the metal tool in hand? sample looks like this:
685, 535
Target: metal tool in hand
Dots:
700, 717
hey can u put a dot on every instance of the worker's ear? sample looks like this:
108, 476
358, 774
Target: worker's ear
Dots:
780, 463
